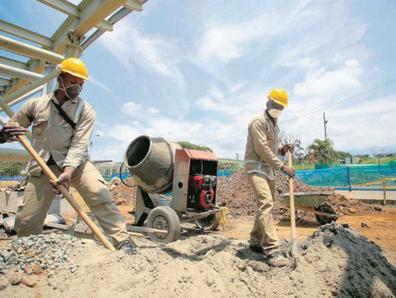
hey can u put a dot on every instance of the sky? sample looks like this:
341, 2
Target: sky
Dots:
198, 71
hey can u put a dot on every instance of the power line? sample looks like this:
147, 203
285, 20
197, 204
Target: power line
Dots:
340, 101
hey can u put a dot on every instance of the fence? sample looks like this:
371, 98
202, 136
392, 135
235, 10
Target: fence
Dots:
350, 176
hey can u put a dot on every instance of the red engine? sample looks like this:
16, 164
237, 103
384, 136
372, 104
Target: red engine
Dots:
201, 191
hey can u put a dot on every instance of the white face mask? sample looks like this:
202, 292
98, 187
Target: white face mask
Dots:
274, 113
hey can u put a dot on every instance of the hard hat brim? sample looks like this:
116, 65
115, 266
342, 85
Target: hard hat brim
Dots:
278, 102
75, 74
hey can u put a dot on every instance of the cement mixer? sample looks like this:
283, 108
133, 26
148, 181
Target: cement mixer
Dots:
174, 185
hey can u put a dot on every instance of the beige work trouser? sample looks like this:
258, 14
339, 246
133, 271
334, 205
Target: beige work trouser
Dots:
89, 183
264, 231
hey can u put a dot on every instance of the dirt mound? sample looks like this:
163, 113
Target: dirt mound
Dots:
333, 261
236, 192
122, 194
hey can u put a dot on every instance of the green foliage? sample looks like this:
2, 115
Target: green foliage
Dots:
11, 168
343, 155
375, 160
188, 145
324, 152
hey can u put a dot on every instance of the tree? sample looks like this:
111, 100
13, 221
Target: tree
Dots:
11, 168
323, 152
188, 145
299, 151
344, 155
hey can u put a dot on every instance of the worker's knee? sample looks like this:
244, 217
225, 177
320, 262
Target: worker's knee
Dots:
96, 193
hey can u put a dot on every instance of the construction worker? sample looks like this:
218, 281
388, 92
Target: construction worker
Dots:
62, 125
261, 160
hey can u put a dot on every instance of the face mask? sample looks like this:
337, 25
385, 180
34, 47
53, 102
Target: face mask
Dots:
274, 113
72, 91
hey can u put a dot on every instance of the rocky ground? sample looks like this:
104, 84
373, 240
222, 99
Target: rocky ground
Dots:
333, 261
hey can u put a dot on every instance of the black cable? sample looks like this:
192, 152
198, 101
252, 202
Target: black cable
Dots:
120, 175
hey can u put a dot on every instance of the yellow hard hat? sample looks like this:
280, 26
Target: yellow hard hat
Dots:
75, 67
279, 96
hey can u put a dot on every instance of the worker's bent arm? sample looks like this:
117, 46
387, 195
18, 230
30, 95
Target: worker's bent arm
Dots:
261, 147
79, 147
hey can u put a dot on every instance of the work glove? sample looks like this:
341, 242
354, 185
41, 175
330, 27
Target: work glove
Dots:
11, 131
288, 171
286, 148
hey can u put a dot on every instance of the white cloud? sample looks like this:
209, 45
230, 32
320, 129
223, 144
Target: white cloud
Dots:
320, 82
131, 107
136, 49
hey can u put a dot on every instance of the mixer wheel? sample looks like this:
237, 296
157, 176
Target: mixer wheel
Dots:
211, 222
164, 218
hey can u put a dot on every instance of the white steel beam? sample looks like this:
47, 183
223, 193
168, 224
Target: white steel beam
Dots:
94, 12
25, 34
73, 10
13, 63
29, 50
4, 82
134, 5
26, 95
15, 72
27, 88
113, 19
63, 6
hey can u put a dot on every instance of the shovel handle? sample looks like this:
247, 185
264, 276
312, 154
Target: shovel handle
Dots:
292, 209
98, 233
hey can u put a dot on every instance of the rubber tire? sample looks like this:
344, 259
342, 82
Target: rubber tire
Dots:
324, 219
213, 225
172, 220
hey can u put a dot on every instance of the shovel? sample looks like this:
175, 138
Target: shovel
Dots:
66, 193
292, 212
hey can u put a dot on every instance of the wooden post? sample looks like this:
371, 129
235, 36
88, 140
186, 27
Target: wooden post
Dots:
66, 194
292, 211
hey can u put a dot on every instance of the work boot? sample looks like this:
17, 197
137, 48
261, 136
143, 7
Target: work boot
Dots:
128, 247
277, 259
257, 248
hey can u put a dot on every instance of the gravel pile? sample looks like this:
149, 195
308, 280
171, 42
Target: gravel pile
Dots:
24, 258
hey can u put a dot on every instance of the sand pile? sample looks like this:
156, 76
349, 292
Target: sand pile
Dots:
236, 192
333, 261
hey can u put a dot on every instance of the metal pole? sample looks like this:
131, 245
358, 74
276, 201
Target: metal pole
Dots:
384, 190
324, 125
349, 179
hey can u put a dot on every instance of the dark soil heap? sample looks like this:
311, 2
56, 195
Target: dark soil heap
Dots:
237, 194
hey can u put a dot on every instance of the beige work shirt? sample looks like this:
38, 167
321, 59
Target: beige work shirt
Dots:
52, 135
262, 147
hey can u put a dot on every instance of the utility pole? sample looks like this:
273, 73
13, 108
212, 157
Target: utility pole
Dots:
324, 125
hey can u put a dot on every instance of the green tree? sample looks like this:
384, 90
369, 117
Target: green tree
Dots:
188, 145
323, 152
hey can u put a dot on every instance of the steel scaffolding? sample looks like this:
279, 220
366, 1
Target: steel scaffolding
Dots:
85, 22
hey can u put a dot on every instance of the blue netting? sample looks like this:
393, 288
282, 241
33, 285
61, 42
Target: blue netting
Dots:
11, 178
349, 175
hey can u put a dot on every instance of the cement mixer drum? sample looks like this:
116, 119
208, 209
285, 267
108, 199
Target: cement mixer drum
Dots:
151, 162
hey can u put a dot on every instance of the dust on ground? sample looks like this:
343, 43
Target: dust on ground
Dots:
333, 261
